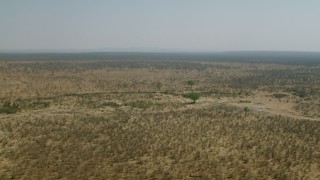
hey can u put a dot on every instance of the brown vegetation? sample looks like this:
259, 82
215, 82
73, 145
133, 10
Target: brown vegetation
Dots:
118, 119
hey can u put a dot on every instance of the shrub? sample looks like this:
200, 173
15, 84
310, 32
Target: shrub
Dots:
111, 104
244, 101
246, 110
279, 96
40, 104
301, 93
9, 108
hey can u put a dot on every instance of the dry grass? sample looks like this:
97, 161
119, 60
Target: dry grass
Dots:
104, 120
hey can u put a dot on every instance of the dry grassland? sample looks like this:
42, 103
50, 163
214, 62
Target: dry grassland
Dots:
129, 120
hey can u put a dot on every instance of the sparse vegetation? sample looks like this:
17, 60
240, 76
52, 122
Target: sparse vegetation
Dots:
111, 104
140, 104
40, 104
9, 108
112, 119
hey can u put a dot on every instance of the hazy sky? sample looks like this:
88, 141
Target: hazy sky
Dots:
195, 25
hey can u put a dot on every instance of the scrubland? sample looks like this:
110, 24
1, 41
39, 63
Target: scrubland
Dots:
129, 120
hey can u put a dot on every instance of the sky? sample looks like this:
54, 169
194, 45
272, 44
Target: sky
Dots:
168, 25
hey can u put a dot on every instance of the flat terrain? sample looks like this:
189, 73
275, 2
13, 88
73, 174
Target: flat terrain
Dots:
113, 119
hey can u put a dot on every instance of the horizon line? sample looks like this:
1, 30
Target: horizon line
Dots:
127, 50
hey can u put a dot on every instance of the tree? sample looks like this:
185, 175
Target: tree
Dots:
191, 83
194, 96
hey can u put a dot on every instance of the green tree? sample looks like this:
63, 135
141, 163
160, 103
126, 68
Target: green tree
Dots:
191, 83
193, 95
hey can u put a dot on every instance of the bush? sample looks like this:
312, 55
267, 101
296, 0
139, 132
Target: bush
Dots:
141, 104
111, 104
9, 108
244, 101
40, 104
246, 110
301, 93
279, 96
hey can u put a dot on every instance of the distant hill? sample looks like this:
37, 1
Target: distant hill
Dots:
271, 56
283, 57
